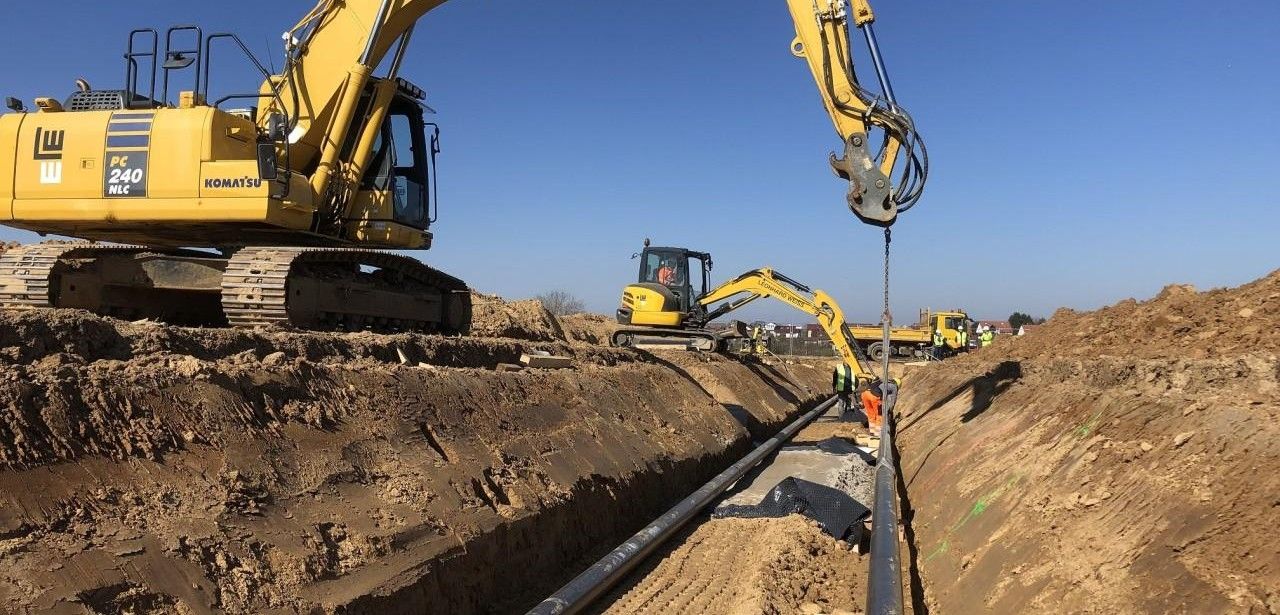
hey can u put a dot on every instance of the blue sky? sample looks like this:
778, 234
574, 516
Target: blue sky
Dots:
1082, 152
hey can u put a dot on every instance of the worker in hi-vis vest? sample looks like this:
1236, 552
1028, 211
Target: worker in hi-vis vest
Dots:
962, 339
878, 398
988, 336
842, 384
939, 344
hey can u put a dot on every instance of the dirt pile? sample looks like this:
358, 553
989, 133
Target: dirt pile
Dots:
493, 316
529, 320
1120, 461
746, 566
147, 468
589, 328
1177, 322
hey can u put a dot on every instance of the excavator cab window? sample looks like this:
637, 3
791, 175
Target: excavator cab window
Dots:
403, 163
669, 268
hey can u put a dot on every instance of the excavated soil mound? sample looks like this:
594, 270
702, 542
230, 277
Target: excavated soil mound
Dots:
1179, 322
529, 320
491, 316
155, 469
589, 328
731, 566
1120, 461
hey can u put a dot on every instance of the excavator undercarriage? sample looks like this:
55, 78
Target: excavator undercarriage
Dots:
333, 289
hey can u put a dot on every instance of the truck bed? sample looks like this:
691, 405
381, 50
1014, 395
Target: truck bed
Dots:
910, 335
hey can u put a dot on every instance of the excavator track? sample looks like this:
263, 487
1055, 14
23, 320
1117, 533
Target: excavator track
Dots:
46, 274
25, 273
693, 339
333, 289
330, 289
254, 286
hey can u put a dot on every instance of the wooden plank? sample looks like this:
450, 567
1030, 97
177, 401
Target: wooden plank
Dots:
548, 361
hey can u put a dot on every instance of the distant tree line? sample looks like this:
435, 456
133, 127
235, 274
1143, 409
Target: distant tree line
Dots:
1017, 319
561, 303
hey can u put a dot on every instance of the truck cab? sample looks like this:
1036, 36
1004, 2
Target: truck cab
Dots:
950, 323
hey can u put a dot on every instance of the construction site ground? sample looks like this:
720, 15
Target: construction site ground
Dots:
150, 468
1120, 461
743, 566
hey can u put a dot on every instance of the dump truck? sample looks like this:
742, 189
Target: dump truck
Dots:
915, 340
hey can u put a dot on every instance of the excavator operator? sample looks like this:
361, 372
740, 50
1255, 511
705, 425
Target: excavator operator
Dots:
667, 273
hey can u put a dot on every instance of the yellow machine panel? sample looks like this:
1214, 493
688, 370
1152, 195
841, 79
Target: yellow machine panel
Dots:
115, 174
50, 165
9, 125
648, 307
370, 224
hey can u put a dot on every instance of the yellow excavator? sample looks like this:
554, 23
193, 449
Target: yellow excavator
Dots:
280, 206
663, 305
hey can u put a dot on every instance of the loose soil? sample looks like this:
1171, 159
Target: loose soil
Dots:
1120, 461
589, 328
737, 566
757, 565
153, 469
525, 320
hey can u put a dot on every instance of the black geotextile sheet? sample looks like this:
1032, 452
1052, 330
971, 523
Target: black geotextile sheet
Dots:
835, 510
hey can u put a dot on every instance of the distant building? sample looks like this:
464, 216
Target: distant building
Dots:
1001, 327
803, 332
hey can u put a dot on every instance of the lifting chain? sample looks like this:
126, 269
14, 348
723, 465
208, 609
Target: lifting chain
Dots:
886, 318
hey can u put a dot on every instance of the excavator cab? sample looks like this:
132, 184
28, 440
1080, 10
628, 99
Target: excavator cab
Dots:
404, 163
665, 294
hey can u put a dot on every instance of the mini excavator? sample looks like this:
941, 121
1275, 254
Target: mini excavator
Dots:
663, 306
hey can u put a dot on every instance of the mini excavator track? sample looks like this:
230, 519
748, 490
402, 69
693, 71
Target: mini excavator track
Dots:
693, 339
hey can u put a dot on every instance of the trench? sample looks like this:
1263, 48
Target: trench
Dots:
295, 472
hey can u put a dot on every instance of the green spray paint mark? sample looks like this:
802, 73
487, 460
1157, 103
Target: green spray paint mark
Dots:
979, 506
941, 548
1088, 426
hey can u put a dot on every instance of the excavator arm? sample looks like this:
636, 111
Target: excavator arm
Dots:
762, 283
333, 50
822, 40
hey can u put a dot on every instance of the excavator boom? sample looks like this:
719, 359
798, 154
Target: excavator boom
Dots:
333, 50
765, 282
